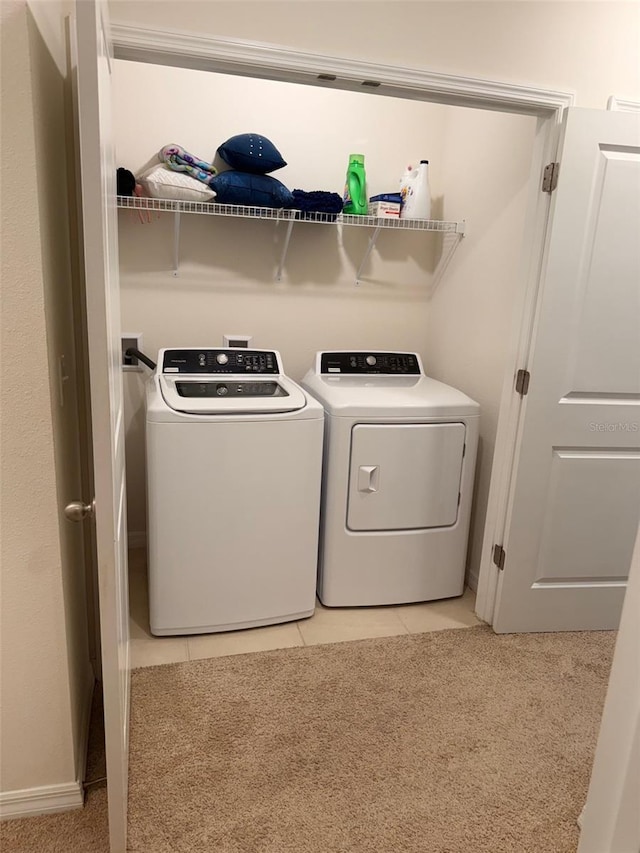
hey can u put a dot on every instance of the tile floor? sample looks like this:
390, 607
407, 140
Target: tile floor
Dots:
327, 625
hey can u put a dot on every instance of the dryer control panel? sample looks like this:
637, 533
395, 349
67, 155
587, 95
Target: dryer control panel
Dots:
389, 363
215, 361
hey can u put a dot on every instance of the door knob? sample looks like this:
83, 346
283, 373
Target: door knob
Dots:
77, 511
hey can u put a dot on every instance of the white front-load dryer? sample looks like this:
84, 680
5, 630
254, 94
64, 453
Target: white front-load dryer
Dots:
234, 460
399, 460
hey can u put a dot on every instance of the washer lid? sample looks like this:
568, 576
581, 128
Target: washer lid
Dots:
231, 394
374, 395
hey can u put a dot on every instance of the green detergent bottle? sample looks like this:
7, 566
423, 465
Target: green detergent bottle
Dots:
355, 188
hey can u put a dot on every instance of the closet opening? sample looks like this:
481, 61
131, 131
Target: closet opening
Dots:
487, 146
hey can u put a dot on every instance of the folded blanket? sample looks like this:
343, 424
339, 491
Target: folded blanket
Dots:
181, 161
317, 201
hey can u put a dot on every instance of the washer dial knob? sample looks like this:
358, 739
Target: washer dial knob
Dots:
371, 360
222, 358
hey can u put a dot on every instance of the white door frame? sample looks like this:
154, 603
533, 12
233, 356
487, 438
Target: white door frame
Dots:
274, 62
91, 74
609, 819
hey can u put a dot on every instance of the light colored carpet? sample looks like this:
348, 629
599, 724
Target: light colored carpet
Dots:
456, 741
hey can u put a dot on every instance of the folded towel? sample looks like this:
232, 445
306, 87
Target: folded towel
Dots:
181, 161
317, 201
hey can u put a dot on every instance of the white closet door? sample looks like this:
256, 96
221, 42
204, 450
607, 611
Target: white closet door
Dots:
404, 476
99, 227
575, 499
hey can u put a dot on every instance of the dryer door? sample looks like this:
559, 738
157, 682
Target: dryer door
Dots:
404, 476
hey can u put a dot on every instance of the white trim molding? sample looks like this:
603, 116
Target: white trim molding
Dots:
623, 105
257, 59
43, 800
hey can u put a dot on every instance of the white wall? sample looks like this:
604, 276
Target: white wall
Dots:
590, 48
314, 128
486, 170
46, 675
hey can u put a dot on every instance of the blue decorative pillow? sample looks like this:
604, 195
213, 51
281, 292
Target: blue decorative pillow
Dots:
250, 152
252, 190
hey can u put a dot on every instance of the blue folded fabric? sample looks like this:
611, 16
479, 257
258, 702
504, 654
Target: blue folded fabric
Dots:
251, 190
317, 201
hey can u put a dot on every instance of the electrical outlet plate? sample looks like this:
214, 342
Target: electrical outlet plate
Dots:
133, 339
237, 340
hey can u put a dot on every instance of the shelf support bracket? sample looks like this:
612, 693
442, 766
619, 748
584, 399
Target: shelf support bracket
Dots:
446, 258
285, 249
176, 242
365, 258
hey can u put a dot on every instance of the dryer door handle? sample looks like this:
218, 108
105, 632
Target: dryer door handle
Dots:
368, 478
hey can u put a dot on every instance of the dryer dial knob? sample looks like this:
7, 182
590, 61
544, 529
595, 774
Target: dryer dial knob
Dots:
371, 360
222, 390
222, 358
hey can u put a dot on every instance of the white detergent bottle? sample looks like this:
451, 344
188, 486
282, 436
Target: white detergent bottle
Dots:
417, 204
406, 186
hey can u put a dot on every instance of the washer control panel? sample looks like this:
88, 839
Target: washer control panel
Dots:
231, 388
389, 363
220, 361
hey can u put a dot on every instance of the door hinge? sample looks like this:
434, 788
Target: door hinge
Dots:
522, 382
499, 556
550, 177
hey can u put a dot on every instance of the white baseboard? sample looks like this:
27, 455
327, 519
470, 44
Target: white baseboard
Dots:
137, 539
43, 800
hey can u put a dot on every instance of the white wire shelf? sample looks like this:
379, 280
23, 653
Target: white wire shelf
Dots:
291, 217
286, 214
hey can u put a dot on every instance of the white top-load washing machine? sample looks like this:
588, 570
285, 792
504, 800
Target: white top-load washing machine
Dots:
399, 459
234, 461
